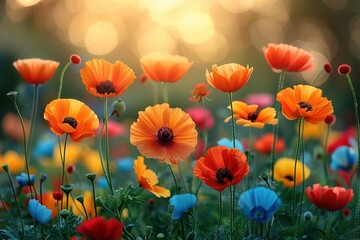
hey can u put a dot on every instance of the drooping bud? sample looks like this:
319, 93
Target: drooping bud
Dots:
344, 69
75, 59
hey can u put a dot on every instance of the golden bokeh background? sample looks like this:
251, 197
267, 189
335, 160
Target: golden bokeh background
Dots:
205, 31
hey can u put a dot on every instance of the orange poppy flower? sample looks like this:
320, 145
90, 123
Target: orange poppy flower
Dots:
221, 167
162, 67
147, 179
284, 57
304, 101
36, 70
249, 116
164, 133
72, 117
329, 198
264, 144
103, 79
228, 77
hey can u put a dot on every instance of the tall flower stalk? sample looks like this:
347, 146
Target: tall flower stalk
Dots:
345, 69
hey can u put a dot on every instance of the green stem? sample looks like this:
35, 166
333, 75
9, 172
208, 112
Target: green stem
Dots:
100, 153
276, 128
33, 116
249, 155
63, 160
62, 78
325, 155
165, 92
328, 224
16, 202
25, 145
107, 148
94, 197
357, 187
301, 120
205, 133
232, 188
220, 215
303, 171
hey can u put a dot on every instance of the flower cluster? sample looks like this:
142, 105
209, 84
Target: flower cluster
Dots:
165, 175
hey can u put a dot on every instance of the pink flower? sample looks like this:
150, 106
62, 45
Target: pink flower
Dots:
115, 129
197, 115
263, 100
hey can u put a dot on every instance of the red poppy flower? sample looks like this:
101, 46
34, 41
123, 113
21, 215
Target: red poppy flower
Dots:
329, 198
221, 167
228, 77
284, 57
99, 228
199, 92
36, 70
264, 144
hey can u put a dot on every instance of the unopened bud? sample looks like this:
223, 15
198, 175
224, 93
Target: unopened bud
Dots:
118, 107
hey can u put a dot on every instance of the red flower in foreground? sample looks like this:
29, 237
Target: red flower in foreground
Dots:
221, 167
264, 144
99, 228
284, 57
329, 198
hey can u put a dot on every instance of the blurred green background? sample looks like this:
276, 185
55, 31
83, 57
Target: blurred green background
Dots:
206, 31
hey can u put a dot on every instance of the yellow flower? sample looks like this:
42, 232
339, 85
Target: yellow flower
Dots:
15, 162
284, 172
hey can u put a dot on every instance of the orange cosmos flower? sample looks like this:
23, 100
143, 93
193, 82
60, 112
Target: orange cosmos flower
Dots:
103, 79
249, 116
36, 70
304, 101
284, 57
221, 167
147, 179
162, 67
72, 117
329, 198
228, 77
164, 133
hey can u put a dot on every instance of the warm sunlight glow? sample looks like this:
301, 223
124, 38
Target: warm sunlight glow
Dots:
101, 38
195, 28
27, 3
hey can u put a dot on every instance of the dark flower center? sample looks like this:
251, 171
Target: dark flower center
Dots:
71, 121
305, 105
105, 87
290, 178
165, 135
222, 173
253, 116
259, 213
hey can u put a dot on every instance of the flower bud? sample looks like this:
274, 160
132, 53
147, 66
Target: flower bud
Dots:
6, 168
64, 213
12, 95
344, 69
330, 119
67, 188
70, 169
75, 59
264, 176
80, 199
118, 107
328, 68
308, 216
58, 195
43, 177
91, 176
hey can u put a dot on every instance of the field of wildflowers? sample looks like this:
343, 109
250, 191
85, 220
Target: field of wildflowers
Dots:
259, 179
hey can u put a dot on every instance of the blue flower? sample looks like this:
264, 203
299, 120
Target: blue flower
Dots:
39, 212
343, 158
125, 164
102, 182
44, 147
228, 143
23, 180
259, 204
182, 203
